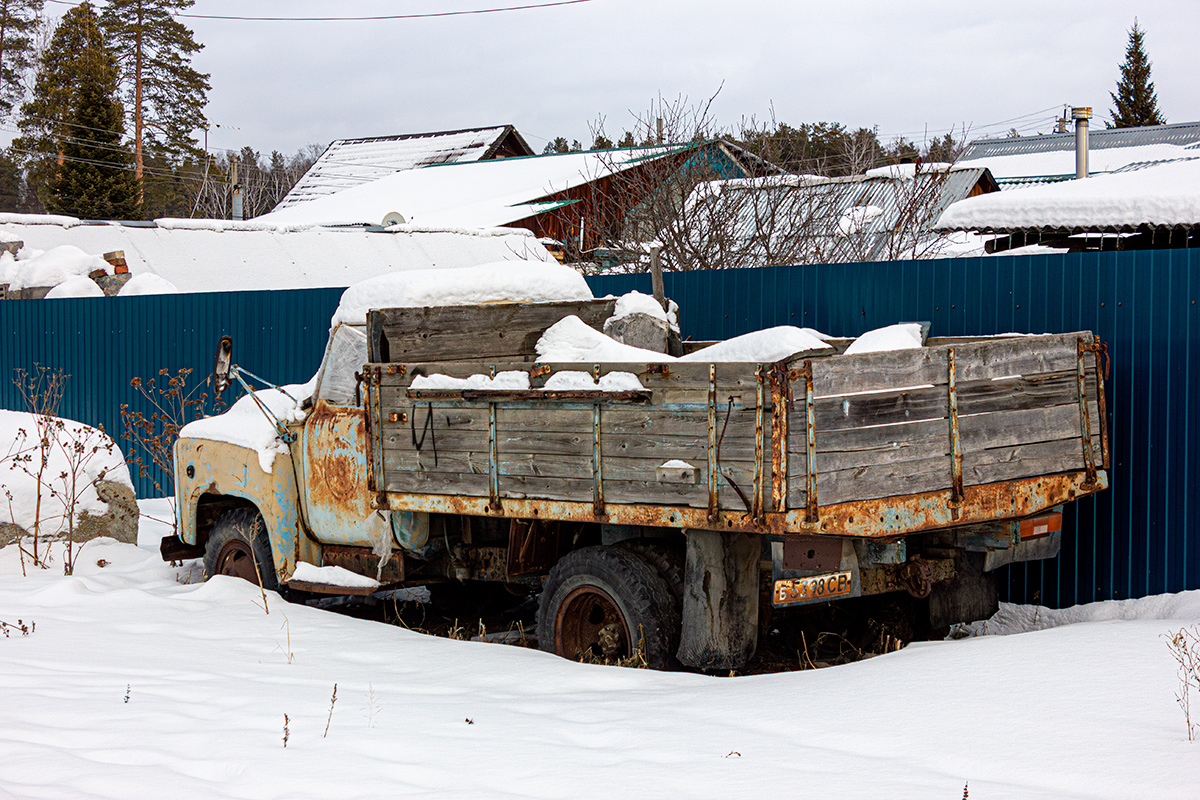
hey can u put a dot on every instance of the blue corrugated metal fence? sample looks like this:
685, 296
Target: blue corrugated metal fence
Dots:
1133, 540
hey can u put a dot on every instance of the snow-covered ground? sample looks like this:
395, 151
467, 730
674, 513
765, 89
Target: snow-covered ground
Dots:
139, 682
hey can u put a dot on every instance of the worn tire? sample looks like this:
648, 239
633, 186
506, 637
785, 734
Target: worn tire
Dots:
665, 557
239, 546
599, 603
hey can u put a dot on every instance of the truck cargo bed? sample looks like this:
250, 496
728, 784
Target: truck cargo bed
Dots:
878, 444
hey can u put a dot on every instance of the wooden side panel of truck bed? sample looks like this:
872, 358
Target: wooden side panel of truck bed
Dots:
878, 444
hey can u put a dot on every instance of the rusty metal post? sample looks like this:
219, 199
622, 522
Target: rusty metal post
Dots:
597, 454
1101, 351
779, 437
956, 469
713, 466
1085, 419
493, 461
757, 505
812, 512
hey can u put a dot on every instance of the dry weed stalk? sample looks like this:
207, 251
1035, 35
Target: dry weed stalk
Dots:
1184, 645
20, 628
173, 405
286, 732
77, 444
332, 703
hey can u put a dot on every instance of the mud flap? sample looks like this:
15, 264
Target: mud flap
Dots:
969, 596
720, 600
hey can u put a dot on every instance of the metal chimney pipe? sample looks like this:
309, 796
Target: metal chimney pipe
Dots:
1081, 117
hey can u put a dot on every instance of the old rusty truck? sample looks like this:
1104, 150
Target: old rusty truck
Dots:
654, 502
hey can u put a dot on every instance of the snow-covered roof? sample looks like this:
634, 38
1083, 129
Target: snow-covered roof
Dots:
479, 194
350, 162
853, 218
217, 255
1031, 159
1165, 194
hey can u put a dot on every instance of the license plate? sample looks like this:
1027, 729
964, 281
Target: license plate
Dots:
812, 588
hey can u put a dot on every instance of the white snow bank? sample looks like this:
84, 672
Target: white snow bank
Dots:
495, 282
905, 336
510, 380
54, 266
771, 344
83, 454
1013, 618
855, 219
332, 576
1082, 711
572, 339
675, 463
76, 286
245, 424
147, 283
1164, 194
570, 380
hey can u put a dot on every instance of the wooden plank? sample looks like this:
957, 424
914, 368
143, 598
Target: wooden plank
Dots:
451, 333
517, 486
661, 447
974, 397
980, 361
847, 449
933, 474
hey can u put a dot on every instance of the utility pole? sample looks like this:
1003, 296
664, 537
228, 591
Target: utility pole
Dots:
237, 187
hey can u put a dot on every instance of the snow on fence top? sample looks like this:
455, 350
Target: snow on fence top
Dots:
1163, 194
222, 255
496, 282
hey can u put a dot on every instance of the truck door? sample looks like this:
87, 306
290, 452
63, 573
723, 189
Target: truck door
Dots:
337, 503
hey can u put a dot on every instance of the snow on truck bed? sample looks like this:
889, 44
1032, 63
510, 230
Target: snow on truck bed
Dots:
136, 683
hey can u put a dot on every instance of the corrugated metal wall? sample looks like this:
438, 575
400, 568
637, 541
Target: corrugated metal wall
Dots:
102, 345
1138, 538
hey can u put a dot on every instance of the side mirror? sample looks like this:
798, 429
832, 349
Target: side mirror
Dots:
221, 364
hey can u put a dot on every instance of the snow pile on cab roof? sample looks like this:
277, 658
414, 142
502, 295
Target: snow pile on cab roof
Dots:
76, 452
495, 282
245, 424
1164, 194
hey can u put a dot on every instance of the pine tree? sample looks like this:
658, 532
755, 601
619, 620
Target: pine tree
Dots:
18, 24
1134, 102
76, 123
164, 95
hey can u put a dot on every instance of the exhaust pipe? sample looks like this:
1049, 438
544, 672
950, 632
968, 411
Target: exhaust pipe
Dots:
1081, 117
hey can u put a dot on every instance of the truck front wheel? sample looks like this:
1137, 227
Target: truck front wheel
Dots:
608, 605
239, 546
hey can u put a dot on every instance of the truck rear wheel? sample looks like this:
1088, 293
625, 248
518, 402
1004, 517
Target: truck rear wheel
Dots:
240, 547
607, 604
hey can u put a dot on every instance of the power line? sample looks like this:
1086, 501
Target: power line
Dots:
375, 18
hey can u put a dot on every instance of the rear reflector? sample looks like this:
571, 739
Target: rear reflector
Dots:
1041, 526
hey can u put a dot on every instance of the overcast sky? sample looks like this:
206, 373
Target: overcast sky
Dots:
902, 66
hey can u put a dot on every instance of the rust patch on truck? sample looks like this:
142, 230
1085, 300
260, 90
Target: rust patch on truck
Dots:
886, 517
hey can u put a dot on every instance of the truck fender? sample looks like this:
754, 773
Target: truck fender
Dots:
215, 473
